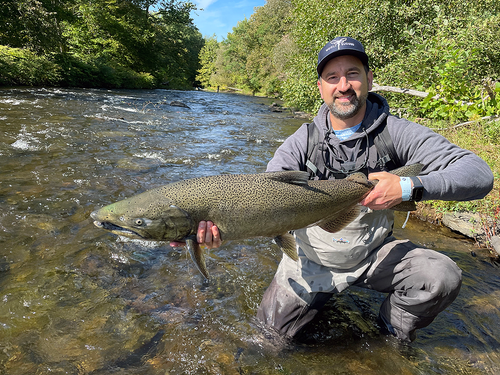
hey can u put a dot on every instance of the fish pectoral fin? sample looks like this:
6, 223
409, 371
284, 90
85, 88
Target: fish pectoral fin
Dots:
197, 255
340, 220
289, 177
286, 242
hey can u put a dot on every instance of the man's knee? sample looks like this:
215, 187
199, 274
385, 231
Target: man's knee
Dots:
428, 283
441, 276
447, 280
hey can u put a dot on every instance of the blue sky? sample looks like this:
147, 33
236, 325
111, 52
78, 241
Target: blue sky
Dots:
220, 16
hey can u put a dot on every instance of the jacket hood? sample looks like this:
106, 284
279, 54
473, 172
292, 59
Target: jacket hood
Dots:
377, 110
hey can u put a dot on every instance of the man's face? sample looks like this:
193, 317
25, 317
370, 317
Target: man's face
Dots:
344, 86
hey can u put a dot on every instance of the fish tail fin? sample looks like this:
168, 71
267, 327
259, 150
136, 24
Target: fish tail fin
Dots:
197, 255
286, 242
408, 170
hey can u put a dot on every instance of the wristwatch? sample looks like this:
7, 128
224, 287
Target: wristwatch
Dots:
417, 190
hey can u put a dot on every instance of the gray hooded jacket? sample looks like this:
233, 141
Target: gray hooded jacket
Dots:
449, 173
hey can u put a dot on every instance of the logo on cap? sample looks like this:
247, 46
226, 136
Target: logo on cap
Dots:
341, 42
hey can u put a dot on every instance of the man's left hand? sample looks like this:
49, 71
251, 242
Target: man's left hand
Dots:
386, 194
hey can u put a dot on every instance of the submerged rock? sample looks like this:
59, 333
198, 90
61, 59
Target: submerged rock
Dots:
176, 103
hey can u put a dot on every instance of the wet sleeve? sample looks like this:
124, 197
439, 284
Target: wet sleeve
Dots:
292, 154
450, 172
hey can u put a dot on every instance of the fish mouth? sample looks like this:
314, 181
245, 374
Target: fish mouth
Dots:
116, 229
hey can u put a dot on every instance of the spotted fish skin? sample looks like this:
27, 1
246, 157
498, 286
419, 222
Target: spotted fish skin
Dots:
241, 206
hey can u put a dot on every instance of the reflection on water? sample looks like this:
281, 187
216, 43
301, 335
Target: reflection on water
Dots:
77, 300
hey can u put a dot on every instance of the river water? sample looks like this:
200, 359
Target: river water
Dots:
78, 300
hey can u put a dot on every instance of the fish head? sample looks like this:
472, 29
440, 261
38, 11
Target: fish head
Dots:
154, 221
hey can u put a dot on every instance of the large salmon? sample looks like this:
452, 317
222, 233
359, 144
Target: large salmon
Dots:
242, 206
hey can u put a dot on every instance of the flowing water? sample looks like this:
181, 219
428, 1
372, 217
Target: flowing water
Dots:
78, 300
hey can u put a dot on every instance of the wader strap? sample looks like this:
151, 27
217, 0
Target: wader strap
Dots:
311, 167
386, 149
313, 149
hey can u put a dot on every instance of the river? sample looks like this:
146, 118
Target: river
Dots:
78, 300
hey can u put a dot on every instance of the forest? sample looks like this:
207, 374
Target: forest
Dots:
98, 43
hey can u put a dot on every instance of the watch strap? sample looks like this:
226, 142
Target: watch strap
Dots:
417, 190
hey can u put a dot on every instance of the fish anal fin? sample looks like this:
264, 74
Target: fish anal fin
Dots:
289, 177
197, 255
341, 220
286, 242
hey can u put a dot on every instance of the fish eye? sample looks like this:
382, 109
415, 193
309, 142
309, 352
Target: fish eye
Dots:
139, 222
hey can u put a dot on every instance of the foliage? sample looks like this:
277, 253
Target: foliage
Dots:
208, 57
104, 43
23, 67
477, 137
454, 56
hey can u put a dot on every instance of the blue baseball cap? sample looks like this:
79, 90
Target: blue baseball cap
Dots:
341, 45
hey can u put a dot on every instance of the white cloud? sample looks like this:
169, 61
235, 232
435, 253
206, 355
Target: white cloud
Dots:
204, 4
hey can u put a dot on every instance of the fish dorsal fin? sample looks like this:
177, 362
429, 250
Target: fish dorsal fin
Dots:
360, 178
286, 242
289, 177
339, 221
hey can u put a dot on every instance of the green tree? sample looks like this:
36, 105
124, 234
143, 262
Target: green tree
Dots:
207, 58
34, 24
110, 43
268, 26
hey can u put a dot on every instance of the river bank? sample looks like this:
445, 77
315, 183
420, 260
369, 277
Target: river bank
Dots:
479, 228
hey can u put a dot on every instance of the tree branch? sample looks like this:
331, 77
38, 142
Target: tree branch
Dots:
398, 90
420, 94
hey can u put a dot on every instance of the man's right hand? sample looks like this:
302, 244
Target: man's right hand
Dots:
208, 235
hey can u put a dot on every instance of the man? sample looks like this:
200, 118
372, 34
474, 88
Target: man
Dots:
420, 282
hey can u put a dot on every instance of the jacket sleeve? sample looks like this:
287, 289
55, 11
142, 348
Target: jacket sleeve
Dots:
449, 172
292, 154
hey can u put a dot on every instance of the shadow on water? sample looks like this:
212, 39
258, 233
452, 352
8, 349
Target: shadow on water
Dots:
76, 300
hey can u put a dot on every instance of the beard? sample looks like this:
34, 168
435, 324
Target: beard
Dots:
343, 111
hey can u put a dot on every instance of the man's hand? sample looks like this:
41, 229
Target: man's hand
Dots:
386, 194
208, 235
